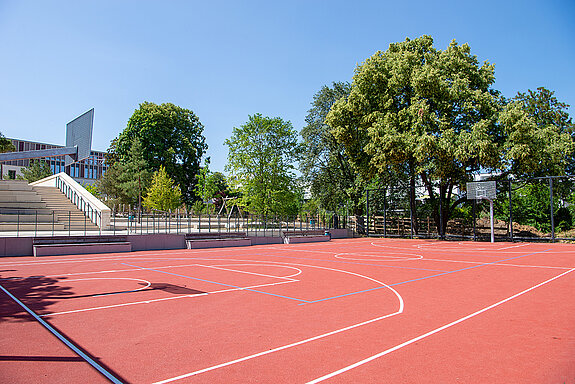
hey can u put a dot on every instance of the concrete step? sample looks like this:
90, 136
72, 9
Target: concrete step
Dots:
22, 196
22, 204
43, 218
13, 227
15, 185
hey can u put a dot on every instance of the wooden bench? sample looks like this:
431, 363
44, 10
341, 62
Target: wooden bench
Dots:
77, 245
217, 240
305, 236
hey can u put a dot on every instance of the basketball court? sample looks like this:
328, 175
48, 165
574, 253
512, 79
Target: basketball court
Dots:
349, 310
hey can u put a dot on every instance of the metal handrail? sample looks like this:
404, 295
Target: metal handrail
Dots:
89, 210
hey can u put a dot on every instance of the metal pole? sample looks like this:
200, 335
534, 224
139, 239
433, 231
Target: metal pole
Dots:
385, 212
510, 213
474, 220
551, 203
411, 212
367, 212
491, 219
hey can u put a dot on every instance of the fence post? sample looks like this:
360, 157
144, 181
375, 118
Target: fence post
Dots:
440, 229
411, 211
510, 213
367, 212
551, 206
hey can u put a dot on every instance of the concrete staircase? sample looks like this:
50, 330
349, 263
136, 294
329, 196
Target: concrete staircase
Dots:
31, 208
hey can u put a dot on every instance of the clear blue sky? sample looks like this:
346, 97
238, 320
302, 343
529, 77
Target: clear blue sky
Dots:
226, 60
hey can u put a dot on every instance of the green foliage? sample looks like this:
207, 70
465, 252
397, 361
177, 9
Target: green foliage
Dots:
6, 145
530, 206
261, 158
325, 165
93, 189
539, 135
172, 137
126, 180
432, 114
210, 188
163, 194
37, 170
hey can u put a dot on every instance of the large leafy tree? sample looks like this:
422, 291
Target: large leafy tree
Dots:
433, 115
325, 165
170, 136
261, 161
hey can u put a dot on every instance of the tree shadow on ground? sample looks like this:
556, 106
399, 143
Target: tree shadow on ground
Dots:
36, 292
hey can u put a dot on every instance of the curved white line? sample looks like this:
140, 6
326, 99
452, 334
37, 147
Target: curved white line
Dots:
399, 311
113, 278
399, 346
299, 271
378, 257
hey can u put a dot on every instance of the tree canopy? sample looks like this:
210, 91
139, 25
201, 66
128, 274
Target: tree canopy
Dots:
261, 160
325, 164
170, 136
434, 115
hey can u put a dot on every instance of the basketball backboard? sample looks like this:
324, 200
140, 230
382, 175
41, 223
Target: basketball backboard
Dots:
79, 135
477, 190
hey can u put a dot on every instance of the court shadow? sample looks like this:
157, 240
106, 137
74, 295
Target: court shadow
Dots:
174, 289
36, 292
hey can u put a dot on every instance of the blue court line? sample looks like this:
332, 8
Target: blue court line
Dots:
422, 278
215, 282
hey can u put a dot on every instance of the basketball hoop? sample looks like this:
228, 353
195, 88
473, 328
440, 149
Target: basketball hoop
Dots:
484, 190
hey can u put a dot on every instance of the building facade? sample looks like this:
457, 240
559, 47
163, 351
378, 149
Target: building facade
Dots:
84, 172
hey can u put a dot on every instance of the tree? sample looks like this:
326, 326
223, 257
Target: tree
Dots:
163, 193
539, 135
6, 145
325, 164
432, 115
126, 180
170, 136
261, 158
37, 170
205, 186
422, 112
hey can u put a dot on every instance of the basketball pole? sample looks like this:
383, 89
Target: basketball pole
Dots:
491, 221
491, 218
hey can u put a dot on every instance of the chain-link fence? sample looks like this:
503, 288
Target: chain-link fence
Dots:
532, 209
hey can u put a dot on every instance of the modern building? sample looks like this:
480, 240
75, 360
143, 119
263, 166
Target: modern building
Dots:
85, 172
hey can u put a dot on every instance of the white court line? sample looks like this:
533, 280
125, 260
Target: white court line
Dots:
164, 267
496, 264
446, 260
387, 351
162, 299
515, 246
250, 273
113, 278
400, 310
388, 258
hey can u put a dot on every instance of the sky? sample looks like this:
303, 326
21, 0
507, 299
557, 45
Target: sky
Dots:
227, 60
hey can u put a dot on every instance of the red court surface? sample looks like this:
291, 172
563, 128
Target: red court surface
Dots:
346, 311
